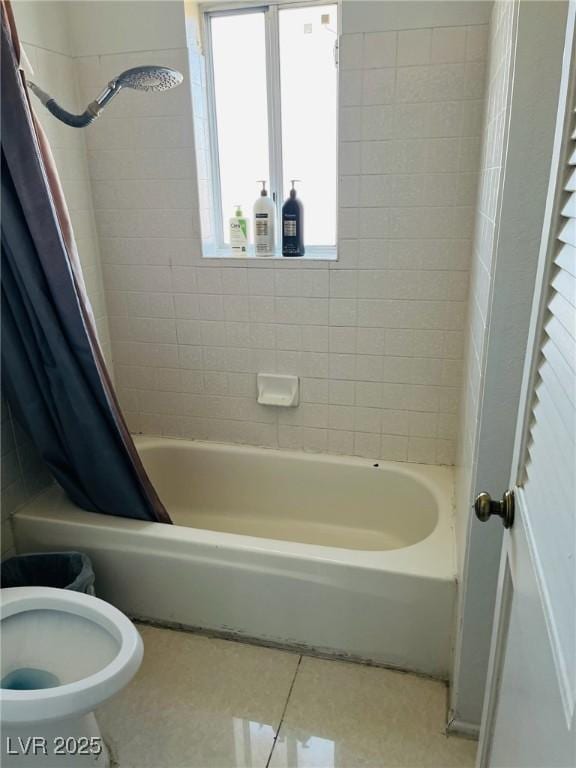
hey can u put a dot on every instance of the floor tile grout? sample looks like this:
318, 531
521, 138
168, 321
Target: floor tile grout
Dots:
284, 712
210, 725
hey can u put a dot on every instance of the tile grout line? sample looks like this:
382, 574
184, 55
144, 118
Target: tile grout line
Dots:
283, 712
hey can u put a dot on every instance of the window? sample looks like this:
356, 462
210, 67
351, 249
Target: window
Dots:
272, 94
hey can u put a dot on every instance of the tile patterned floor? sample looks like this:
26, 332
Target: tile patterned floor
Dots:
199, 702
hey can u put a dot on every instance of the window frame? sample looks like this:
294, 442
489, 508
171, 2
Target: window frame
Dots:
270, 9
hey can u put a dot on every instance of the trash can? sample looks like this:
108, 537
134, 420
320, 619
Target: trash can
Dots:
64, 570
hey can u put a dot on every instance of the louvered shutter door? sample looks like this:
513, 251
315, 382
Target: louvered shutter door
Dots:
550, 463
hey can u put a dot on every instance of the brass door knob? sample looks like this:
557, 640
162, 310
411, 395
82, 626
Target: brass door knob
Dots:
485, 508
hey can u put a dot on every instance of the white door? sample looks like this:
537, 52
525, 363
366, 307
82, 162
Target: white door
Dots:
528, 717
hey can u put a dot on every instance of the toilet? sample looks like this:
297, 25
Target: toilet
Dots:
63, 654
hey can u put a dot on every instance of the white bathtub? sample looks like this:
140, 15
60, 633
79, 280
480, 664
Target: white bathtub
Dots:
338, 555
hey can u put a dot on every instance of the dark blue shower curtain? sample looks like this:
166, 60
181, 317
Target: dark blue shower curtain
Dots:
53, 373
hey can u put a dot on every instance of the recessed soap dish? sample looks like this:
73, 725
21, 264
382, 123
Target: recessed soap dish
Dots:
278, 389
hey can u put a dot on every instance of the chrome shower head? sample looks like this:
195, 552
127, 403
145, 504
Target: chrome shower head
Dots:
146, 78
149, 78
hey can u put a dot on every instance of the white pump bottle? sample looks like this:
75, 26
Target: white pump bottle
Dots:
264, 221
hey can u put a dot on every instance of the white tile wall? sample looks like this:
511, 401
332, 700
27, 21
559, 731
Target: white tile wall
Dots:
376, 337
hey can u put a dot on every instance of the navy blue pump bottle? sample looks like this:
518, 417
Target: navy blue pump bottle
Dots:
293, 225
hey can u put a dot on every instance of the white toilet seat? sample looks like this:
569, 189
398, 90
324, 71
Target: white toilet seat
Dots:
84, 695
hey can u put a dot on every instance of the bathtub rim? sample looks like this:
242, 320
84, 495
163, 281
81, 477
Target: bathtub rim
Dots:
432, 557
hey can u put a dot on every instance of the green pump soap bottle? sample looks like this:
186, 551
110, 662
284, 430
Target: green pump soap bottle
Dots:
293, 225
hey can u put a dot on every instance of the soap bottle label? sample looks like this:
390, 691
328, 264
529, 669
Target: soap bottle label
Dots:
239, 235
261, 224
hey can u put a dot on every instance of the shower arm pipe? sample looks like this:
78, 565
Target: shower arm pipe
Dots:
91, 112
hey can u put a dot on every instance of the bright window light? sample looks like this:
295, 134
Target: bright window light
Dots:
274, 113
239, 60
308, 88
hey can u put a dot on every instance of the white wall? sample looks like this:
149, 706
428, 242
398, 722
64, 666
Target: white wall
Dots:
521, 102
122, 26
382, 15
43, 24
376, 336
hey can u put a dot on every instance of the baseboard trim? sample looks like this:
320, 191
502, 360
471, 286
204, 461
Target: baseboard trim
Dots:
462, 728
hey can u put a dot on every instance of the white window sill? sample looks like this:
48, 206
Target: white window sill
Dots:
313, 253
